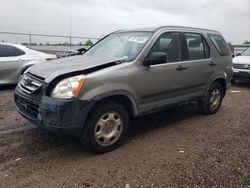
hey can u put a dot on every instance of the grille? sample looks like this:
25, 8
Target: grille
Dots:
26, 106
241, 66
30, 83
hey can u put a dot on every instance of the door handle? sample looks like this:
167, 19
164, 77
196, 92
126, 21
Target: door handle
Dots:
212, 64
21, 60
180, 68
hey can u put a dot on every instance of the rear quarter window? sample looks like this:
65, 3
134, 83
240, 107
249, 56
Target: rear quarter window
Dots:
219, 44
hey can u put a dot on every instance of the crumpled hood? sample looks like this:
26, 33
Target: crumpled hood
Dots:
52, 69
241, 60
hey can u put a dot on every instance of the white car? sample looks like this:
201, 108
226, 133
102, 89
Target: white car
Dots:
15, 59
241, 66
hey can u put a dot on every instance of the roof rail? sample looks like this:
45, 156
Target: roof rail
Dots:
183, 27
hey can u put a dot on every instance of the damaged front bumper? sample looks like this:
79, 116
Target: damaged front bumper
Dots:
66, 116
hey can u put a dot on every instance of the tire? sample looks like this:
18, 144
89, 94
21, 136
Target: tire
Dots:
233, 81
211, 104
106, 127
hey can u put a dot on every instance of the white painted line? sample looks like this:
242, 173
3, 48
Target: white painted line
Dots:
235, 91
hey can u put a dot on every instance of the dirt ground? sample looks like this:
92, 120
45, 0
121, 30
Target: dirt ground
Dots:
175, 148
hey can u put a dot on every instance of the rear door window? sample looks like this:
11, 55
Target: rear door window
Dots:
219, 44
197, 46
10, 51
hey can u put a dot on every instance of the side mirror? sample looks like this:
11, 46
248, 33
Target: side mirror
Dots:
81, 50
155, 58
238, 54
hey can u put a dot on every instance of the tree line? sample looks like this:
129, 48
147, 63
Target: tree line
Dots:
86, 43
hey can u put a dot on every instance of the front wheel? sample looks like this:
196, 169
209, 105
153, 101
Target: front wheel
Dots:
212, 102
106, 127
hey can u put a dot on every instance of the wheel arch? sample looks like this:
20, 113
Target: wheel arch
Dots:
22, 70
219, 79
122, 97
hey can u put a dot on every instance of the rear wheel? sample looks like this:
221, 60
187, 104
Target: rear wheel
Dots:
106, 127
213, 100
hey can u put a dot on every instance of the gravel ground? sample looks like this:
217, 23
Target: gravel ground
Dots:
175, 148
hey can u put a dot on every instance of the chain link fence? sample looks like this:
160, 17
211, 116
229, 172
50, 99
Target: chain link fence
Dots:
48, 43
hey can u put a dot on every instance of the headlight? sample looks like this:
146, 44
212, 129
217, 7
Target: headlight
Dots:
69, 87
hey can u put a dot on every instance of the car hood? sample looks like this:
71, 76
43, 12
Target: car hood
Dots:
52, 69
241, 60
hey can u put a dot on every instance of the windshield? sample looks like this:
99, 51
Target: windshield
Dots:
246, 52
125, 46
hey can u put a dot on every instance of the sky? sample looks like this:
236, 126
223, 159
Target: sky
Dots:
96, 18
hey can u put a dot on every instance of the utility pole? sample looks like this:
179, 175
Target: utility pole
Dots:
70, 38
30, 40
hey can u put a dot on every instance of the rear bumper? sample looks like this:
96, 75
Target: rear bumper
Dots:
61, 116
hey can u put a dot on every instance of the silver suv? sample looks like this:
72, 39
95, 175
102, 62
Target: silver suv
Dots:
126, 74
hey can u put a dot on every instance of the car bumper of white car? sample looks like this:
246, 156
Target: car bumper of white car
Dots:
239, 74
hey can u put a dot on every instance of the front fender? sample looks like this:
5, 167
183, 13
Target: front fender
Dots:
106, 91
